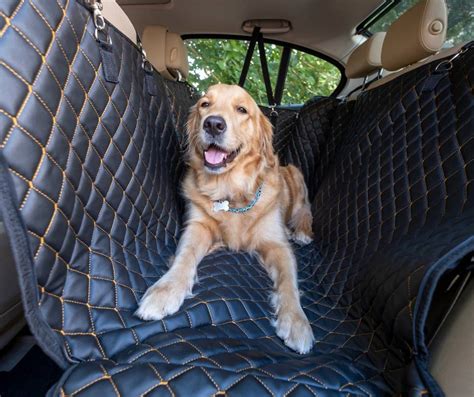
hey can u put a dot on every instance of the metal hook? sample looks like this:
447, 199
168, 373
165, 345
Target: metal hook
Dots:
444, 66
108, 39
97, 7
273, 112
447, 64
99, 21
146, 65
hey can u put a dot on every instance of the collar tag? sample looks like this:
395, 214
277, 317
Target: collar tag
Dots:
222, 205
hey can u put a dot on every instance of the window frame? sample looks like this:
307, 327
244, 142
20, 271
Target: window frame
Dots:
364, 27
374, 16
343, 79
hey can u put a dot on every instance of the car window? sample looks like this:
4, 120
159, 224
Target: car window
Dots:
460, 20
216, 60
308, 76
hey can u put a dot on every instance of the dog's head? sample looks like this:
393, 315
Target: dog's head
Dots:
225, 127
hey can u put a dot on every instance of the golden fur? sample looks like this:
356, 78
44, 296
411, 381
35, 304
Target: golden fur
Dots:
282, 212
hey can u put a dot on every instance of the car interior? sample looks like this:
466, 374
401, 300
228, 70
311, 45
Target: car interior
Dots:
373, 100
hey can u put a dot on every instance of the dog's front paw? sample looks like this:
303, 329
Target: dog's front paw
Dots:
301, 238
163, 298
294, 328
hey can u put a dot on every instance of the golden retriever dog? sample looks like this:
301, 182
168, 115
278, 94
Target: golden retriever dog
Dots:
238, 197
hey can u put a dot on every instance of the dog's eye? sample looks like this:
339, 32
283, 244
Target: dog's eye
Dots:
242, 110
205, 104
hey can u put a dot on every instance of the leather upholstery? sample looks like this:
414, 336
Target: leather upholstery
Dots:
176, 56
93, 170
282, 130
181, 97
316, 136
167, 52
154, 43
444, 54
366, 58
417, 34
117, 17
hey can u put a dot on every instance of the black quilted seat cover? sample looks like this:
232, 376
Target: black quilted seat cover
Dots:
315, 138
283, 129
181, 97
89, 182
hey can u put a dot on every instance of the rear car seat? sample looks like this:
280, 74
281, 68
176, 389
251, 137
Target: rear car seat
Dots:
313, 138
366, 59
423, 29
167, 53
89, 193
365, 62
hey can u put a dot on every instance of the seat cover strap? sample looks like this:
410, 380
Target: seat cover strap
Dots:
248, 57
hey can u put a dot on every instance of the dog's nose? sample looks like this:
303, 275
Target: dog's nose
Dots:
214, 125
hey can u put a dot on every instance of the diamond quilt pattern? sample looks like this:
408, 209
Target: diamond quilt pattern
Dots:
284, 128
317, 133
95, 171
83, 155
181, 97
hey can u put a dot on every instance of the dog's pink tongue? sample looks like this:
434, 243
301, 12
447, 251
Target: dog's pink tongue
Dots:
214, 156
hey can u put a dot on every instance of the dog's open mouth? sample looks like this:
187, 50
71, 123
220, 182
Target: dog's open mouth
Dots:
216, 157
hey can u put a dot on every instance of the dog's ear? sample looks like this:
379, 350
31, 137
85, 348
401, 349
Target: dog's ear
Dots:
266, 138
192, 124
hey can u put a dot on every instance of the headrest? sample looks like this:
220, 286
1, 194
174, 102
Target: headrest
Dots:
176, 56
367, 58
154, 43
166, 52
417, 34
117, 17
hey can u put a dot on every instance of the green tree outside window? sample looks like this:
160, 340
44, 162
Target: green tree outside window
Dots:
460, 20
220, 61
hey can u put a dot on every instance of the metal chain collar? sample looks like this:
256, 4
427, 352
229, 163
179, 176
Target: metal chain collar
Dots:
223, 205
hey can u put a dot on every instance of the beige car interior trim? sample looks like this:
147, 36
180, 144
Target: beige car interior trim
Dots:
12, 319
442, 54
367, 58
154, 44
176, 56
419, 19
452, 351
312, 22
416, 34
166, 52
267, 26
145, 2
117, 17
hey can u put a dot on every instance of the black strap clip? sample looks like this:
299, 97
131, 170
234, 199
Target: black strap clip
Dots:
147, 67
443, 68
102, 36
